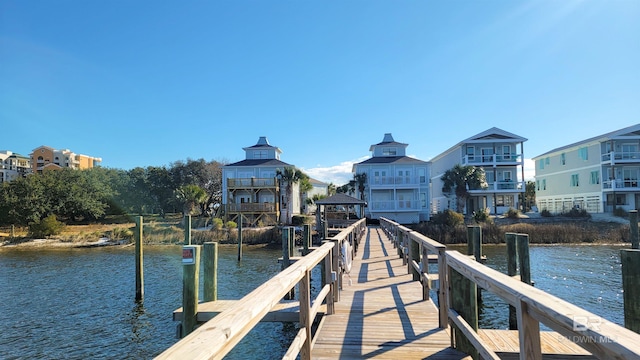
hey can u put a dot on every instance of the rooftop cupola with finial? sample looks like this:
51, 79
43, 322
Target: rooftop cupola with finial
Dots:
388, 147
262, 150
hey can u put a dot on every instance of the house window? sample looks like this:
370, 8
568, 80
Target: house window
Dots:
616, 199
471, 153
506, 152
504, 200
546, 161
423, 200
574, 180
594, 179
260, 154
541, 164
487, 155
506, 175
563, 159
544, 184
583, 153
389, 151
423, 176
537, 184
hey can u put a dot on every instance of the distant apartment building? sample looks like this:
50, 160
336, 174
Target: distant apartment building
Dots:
396, 186
251, 192
45, 158
13, 166
500, 154
598, 174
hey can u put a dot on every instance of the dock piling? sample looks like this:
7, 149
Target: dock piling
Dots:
210, 264
633, 227
630, 259
240, 238
139, 260
512, 267
190, 284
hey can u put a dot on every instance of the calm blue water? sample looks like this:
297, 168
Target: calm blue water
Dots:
585, 275
79, 303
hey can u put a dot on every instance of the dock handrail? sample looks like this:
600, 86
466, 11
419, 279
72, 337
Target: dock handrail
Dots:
415, 248
602, 338
215, 338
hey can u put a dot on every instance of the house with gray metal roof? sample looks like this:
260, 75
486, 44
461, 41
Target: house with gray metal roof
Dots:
394, 185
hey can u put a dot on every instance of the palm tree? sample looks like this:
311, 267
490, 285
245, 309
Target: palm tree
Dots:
191, 196
331, 189
290, 175
361, 182
460, 179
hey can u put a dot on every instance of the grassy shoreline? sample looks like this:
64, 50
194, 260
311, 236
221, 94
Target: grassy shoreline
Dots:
171, 232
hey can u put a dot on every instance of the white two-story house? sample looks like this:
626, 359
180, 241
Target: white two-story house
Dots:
598, 174
500, 154
396, 186
252, 192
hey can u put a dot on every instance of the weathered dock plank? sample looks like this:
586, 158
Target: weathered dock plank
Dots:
381, 313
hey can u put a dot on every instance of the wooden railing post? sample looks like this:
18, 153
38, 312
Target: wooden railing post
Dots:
414, 252
424, 276
336, 269
512, 266
464, 301
328, 279
210, 265
630, 259
529, 334
305, 313
443, 288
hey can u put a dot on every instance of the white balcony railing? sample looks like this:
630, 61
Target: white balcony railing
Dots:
620, 184
501, 186
251, 182
394, 205
397, 180
621, 157
495, 159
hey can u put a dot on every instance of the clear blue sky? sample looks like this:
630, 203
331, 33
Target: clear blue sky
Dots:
143, 83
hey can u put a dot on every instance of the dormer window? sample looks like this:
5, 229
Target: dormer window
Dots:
389, 152
260, 154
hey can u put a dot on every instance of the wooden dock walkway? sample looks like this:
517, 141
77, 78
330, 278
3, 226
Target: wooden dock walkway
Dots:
381, 314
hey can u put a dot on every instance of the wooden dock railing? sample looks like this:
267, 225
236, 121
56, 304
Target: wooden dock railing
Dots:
417, 251
459, 275
215, 338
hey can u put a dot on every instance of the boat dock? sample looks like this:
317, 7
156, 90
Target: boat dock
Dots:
382, 308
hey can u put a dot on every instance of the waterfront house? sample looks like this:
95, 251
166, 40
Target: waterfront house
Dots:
500, 154
251, 191
395, 186
317, 188
46, 158
598, 174
13, 166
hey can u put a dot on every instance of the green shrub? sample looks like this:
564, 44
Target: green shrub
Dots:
512, 214
577, 213
45, 227
546, 213
481, 216
218, 224
231, 225
448, 218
